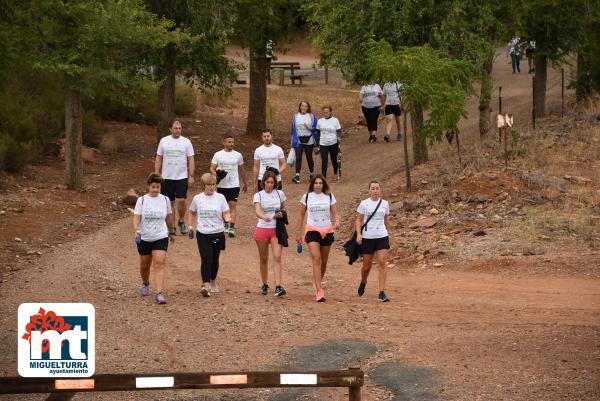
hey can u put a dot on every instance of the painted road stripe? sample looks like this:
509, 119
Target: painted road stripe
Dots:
74, 384
154, 382
228, 379
296, 378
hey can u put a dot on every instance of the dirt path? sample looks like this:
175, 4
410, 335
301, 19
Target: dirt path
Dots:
453, 333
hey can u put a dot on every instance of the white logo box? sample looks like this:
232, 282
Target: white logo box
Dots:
78, 363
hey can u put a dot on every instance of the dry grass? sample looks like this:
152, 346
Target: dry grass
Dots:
109, 143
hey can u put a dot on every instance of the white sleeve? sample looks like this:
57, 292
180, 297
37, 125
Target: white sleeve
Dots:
224, 205
319, 124
333, 201
362, 90
379, 91
303, 199
214, 159
190, 148
138, 206
256, 198
160, 151
193, 206
169, 208
387, 207
281, 155
240, 160
283, 198
256, 156
361, 208
337, 124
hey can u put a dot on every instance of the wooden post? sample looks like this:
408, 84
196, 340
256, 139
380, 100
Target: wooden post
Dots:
406, 161
458, 148
505, 147
354, 390
499, 111
562, 92
354, 394
326, 75
533, 113
60, 396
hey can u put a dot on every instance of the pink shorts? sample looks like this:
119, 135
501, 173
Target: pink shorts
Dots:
264, 234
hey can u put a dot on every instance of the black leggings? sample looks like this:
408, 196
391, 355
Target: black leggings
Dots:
327, 150
371, 115
308, 149
210, 247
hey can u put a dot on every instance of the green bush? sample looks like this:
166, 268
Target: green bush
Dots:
185, 100
14, 155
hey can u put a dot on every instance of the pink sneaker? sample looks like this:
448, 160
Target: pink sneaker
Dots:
321, 296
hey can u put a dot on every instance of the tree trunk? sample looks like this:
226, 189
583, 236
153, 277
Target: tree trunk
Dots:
166, 92
485, 96
257, 98
406, 161
73, 138
541, 69
419, 140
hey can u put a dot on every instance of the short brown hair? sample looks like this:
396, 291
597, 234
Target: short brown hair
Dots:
266, 176
374, 182
155, 178
328, 107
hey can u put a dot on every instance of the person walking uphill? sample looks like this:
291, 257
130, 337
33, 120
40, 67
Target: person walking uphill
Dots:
304, 125
319, 204
175, 160
209, 210
371, 97
372, 234
230, 163
329, 132
152, 220
269, 205
268, 156
392, 108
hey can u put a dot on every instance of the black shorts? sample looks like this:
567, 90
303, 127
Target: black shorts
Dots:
146, 248
529, 52
392, 109
370, 246
230, 194
260, 188
315, 236
175, 189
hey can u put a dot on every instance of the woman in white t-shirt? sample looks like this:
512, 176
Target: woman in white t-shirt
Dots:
269, 204
152, 222
304, 125
329, 132
372, 226
209, 211
371, 97
393, 107
319, 204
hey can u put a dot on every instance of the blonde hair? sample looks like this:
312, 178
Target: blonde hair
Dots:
206, 179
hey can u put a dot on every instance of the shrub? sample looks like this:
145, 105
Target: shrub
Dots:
109, 143
185, 100
14, 155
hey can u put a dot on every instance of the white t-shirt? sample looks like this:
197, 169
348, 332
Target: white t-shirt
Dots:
154, 211
301, 130
371, 96
268, 157
210, 211
230, 162
175, 153
376, 227
328, 128
269, 203
391, 93
318, 209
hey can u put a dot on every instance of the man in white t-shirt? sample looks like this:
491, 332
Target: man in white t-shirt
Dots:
175, 162
230, 162
270, 156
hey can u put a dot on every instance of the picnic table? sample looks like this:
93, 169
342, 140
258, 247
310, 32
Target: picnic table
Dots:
291, 66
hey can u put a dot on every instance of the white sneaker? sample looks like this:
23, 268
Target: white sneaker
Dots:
213, 287
205, 291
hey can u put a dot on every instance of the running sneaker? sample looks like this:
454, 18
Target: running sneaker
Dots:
371, 139
205, 291
382, 297
173, 231
226, 228
279, 291
321, 296
160, 298
182, 228
296, 179
361, 289
399, 137
386, 138
264, 289
145, 290
231, 232
213, 287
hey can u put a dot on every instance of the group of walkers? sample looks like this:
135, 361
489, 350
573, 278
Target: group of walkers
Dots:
514, 49
212, 212
371, 98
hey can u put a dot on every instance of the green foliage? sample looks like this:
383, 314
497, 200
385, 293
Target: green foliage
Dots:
14, 154
185, 100
431, 80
